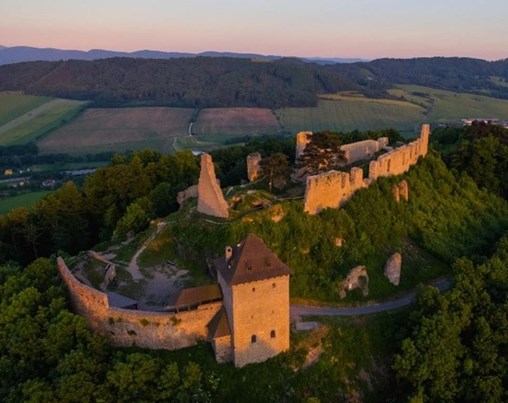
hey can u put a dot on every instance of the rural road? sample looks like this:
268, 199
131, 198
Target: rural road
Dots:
298, 311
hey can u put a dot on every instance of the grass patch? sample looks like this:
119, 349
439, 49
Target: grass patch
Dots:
347, 113
21, 200
160, 250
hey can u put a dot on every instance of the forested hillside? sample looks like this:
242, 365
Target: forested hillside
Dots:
223, 82
198, 82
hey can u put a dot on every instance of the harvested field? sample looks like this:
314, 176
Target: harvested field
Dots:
119, 130
236, 121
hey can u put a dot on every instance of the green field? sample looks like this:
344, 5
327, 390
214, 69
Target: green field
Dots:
346, 113
446, 106
15, 104
26, 118
21, 200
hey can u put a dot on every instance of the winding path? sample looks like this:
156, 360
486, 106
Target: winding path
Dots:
300, 310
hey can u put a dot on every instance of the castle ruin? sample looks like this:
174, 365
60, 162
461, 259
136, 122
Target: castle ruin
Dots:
210, 198
245, 316
253, 167
333, 188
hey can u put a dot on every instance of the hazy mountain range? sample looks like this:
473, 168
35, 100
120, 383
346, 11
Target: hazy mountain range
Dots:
17, 54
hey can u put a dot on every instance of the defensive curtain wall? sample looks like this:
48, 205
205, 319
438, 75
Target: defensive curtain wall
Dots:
124, 327
333, 188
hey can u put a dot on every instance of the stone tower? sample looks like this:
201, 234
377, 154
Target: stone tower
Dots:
255, 287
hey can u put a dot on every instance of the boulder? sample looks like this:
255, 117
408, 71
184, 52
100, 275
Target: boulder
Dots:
392, 268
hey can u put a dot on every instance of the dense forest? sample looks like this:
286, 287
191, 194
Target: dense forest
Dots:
224, 82
480, 150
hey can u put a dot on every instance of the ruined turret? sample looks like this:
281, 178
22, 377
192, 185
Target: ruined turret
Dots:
210, 198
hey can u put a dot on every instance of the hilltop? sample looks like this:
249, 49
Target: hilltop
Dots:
225, 82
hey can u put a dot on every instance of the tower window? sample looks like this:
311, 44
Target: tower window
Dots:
272, 334
253, 289
253, 338
274, 285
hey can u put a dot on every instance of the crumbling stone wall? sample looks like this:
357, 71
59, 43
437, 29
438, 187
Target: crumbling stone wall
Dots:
210, 198
124, 327
331, 189
362, 150
184, 195
253, 168
399, 160
357, 278
302, 139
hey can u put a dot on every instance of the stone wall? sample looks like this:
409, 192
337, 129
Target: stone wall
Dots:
363, 150
260, 308
302, 139
331, 189
184, 195
210, 198
399, 160
253, 168
124, 327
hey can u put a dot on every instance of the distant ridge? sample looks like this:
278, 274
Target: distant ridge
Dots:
18, 54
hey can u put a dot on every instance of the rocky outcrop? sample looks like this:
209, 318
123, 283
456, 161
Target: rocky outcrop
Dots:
184, 195
210, 198
401, 191
357, 278
392, 268
253, 168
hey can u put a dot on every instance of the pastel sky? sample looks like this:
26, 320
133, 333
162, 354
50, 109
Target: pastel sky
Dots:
328, 28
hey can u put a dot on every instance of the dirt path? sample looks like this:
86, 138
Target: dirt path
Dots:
133, 267
298, 311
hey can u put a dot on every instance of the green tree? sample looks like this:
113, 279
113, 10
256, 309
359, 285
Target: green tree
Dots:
274, 167
322, 153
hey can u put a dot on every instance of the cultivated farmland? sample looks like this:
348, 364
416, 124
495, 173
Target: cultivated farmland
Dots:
347, 113
446, 106
25, 118
119, 130
235, 121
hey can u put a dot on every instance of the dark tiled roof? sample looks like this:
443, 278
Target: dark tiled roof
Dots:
219, 325
120, 301
251, 261
199, 295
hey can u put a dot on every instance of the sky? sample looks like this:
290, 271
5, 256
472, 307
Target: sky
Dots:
366, 29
